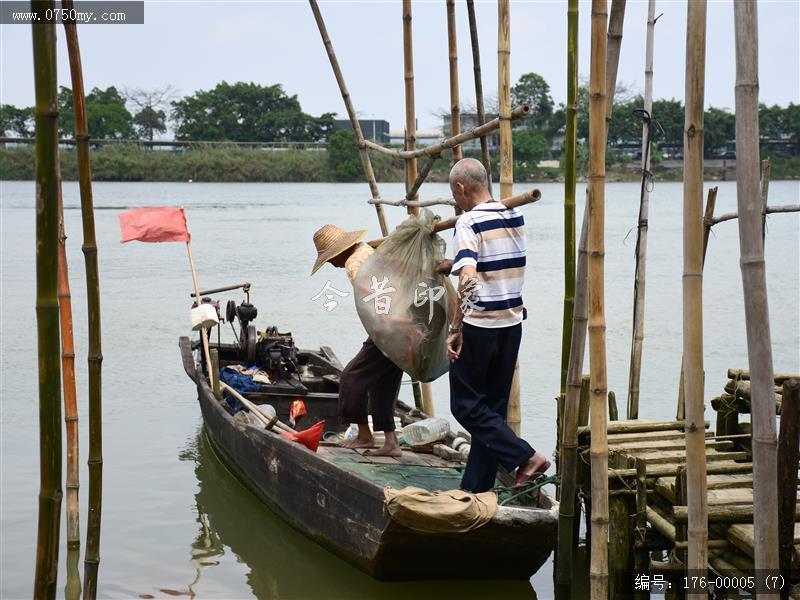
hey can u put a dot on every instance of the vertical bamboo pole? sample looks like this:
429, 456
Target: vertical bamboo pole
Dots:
788, 455
49, 377
95, 357
570, 147
641, 240
411, 144
366, 164
697, 555
476, 69
506, 158
598, 569
765, 170
614, 42
452, 52
569, 437
754, 282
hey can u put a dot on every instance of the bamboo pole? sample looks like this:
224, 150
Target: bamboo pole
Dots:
697, 554
769, 210
506, 159
570, 147
637, 336
68, 381
95, 355
452, 53
520, 112
754, 282
47, 328
788, 455
765, 171
598, 569
366, 164
476, 70
614, 37
569, 437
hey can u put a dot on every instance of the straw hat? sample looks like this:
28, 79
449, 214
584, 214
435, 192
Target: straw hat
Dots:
331, 241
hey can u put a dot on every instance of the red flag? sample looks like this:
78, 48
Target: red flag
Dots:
157, 224
308, 437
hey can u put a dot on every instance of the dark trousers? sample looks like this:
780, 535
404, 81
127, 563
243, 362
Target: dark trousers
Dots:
480, 382
372, 377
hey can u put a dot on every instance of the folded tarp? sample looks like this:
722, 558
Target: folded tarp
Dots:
453, 511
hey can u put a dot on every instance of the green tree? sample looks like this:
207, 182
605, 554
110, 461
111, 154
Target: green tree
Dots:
106, 115
530, 146
16, 121
343, 155
246, 112
149, 121
719, 130
534, 90
670, 114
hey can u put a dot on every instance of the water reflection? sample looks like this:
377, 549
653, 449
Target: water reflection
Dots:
283, 563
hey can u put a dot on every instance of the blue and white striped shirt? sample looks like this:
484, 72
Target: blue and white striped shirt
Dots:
491, 238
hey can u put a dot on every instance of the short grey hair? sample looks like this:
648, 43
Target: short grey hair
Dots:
469, 172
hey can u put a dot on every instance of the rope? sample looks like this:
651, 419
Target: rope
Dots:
524, 489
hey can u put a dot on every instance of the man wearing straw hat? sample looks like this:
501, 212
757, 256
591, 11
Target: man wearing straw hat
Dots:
370, 376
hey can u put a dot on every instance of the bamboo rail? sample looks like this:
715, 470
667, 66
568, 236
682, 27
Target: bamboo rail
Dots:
476, 71
47, 317
637, 335
769, 210
436, 149
598, 568
366, 164
754, 282
697, 553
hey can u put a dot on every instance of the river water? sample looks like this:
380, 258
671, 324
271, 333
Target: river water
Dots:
174, 521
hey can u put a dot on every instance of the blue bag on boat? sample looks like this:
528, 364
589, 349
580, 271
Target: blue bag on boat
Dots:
240, 382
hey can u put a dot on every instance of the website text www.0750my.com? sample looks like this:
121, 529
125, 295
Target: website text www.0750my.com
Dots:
90, 12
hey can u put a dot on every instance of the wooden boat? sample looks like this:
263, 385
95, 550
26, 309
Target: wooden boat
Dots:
336, 495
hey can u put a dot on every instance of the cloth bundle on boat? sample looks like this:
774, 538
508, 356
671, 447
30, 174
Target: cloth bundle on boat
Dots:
243, 380
453, 511
403, 302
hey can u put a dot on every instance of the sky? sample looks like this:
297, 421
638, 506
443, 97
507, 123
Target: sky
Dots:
193, 45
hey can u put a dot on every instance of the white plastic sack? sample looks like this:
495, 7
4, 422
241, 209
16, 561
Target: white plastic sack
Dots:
403, 302
204, 316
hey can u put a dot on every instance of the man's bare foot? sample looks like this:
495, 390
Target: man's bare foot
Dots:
358, 443
535, 465
385, 450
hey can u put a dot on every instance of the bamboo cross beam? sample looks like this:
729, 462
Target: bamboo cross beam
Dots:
518, 113
768, 211
417, 203
411, 194
476, 70
366, 164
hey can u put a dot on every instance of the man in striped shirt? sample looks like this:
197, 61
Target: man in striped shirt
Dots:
486, 329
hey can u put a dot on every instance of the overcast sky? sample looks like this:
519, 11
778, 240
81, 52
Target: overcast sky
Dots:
193, 45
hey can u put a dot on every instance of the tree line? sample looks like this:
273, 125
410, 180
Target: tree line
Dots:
250, 112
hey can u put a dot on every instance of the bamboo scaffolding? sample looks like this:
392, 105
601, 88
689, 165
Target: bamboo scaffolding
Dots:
569, 437
47, 317
452, 54
68, 381
570, 148
754, 282
436, 149
366, 164
95, 357
476, 70
637, 336
506, 159
416, 203
598, 569
769, 210
697, 553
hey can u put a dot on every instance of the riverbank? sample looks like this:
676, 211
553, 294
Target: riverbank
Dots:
229, 164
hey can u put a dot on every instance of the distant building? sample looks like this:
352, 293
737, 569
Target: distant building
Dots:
424, 137
376, 130
470, 121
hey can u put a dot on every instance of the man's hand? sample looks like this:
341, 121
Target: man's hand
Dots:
454, 342
444, 267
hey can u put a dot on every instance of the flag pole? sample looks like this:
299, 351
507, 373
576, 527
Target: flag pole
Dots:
203, 335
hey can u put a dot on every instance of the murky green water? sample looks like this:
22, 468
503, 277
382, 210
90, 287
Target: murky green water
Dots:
174, 521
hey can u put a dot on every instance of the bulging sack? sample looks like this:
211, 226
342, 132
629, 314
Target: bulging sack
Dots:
403, 303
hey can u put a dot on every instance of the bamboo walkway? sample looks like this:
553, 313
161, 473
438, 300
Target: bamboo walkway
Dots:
647, 498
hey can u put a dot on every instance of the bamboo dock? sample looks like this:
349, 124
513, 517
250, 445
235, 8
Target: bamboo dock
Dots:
647, 498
